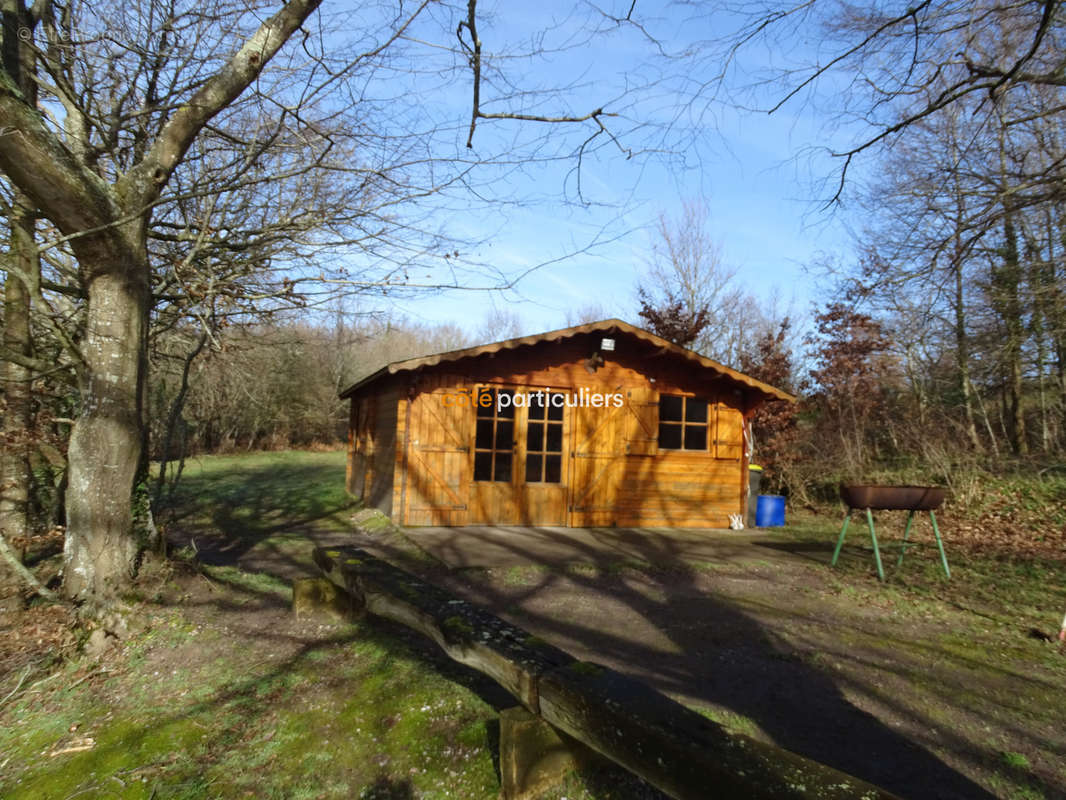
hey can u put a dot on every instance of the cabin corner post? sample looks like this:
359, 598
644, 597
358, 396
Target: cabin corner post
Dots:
349, 463
405, 463
746, 453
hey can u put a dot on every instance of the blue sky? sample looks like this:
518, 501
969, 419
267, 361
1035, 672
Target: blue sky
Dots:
750, 175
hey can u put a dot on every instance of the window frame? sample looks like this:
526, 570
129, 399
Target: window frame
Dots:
542, 452
684, 425
494, 450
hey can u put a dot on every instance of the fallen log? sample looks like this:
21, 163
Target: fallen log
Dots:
670, 746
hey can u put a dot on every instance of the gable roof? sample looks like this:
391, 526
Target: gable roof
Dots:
603, 326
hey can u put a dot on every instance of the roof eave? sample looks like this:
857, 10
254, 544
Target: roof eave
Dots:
411, 364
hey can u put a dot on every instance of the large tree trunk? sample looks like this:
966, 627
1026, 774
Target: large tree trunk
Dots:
19, 61
962, 344
1006, 283
1008, 303
15, 427
1057, 309
105, 445
962, 366
1041, 286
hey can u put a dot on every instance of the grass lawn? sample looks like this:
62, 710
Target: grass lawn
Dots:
219, 692
256, 499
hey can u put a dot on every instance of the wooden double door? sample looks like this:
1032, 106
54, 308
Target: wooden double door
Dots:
520, 468
503, 462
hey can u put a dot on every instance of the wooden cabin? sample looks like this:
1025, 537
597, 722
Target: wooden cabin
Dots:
602, 424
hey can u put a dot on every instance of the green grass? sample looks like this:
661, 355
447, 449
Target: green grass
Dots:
524, 575
260, 494
210, 701
198, 706
1021, 590
1016, 760
960, 650
261, 502
733, 721
359, 710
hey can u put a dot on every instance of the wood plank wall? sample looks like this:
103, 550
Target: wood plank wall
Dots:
372, 448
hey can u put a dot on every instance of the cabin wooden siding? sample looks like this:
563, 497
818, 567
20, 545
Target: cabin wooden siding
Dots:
412, 452
373, 434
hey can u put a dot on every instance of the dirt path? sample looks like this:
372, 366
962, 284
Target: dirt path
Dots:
509, 546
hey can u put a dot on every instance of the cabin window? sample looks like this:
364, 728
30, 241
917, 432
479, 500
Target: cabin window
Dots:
544, 438
494, 438
682, 423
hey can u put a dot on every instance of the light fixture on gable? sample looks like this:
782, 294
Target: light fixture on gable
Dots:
607, 344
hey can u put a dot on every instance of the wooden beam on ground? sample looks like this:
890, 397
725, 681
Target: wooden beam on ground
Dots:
670, 746
468, 634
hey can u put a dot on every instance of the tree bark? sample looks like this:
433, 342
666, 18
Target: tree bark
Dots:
24, 267
1006, 283
1041, 286
105, 444
1057, 309
15, 428
962, 361
962, 344
1008, 302
108, 224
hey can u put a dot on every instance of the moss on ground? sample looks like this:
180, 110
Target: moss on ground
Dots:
739, 723
335, 717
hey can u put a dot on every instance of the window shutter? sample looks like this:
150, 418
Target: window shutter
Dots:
728, 433
642, 421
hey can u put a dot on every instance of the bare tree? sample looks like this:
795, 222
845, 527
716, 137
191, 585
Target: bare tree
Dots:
960, 266
22, 269
883, 68
273, 384
102, 209
688, 279
204, 161
591, 312
500, 323
925, 219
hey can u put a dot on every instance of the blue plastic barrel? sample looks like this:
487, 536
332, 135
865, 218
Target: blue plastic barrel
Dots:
770, 511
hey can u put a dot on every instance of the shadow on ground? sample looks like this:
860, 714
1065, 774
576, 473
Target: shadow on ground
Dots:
664, 626
663, 622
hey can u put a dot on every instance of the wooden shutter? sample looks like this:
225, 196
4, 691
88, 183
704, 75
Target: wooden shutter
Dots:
728, 433
642, 421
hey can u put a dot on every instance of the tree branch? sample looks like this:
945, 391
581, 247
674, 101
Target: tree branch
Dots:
29, 362
474, 54
144, 182
11, 557
40, 164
